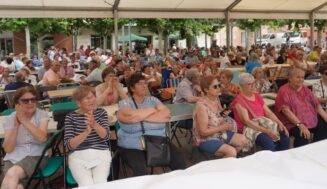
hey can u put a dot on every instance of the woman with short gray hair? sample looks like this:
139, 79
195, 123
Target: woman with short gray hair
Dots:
249, 105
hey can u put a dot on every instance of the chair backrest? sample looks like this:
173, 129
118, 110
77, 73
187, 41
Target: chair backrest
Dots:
63, 106
94, 83
173, 82
284, 71
271, 73
9, 97
68, 85
8, 112
48, 144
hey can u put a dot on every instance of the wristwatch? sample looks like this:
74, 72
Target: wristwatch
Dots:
298, 124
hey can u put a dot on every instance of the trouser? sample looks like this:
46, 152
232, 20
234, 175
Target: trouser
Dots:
90, 166
267, 143
319, 133
136, 160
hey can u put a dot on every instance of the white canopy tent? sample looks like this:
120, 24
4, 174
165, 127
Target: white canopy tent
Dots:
220, 9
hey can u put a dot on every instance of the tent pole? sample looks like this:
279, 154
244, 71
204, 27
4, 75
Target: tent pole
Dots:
227, 30
116, 31
312, 27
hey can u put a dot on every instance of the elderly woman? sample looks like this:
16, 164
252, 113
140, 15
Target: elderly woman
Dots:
213, 132
300, 111
299, 62
86, 139
262, 84
250, 102
5, 79
153, 114
238, 61
94, 73
66, 72
109, 92
227, 87
25, 133
252, 63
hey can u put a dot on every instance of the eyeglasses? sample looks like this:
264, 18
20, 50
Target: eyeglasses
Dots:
28, 100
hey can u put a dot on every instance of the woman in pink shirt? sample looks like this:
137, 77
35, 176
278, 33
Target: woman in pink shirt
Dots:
298, 108
267, 139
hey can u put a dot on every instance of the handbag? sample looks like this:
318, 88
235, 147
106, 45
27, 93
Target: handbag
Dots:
157, 148
251, 134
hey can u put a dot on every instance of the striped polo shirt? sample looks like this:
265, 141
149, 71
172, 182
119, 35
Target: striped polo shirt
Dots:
75, 125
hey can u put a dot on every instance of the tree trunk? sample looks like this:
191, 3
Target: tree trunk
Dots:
39, 46
319, 40
206, 41
104, 42
166, 41
249, 39
28, 42
189, 42
160, 33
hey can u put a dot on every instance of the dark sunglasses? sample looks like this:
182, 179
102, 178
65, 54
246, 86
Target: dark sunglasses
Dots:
216, 86
28, 100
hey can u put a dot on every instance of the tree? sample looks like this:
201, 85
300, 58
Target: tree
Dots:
249, 25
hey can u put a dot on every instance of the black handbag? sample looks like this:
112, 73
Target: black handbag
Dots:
157, 148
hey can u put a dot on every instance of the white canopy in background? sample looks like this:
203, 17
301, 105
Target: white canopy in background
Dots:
300, 168
263, 9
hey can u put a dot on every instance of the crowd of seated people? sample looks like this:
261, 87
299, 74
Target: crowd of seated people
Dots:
220, 127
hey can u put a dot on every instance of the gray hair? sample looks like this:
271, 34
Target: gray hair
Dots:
244, 78
294, 71
191, 73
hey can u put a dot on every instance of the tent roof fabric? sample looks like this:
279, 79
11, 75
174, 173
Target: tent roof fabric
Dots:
264, 9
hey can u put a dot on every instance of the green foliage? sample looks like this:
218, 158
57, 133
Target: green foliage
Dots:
250, 24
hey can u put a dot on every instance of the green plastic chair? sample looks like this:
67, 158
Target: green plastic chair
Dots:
70, 179
53, 164
64, 106
8, 111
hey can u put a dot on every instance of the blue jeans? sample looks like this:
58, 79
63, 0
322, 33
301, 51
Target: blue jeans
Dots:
266, 142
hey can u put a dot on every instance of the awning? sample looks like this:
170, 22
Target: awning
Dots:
133, 38
260, 9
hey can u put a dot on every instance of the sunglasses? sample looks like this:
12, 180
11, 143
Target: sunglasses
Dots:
28, 100
216, 86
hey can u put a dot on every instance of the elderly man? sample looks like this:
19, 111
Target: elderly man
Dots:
188, 89
19, 82
95, 73
299, 110
51, 77
46, 66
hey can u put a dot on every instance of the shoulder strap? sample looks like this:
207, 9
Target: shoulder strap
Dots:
322, 88
247, 106
142, 126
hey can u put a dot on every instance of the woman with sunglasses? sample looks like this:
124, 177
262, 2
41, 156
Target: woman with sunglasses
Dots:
25, 133
109, 92
249, 101
213, 131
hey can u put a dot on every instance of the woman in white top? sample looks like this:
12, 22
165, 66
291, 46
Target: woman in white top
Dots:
25, 133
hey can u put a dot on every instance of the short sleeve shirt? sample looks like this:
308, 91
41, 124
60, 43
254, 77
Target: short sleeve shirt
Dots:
49, 77
26, 145
95, 75
129, 134
302, 103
